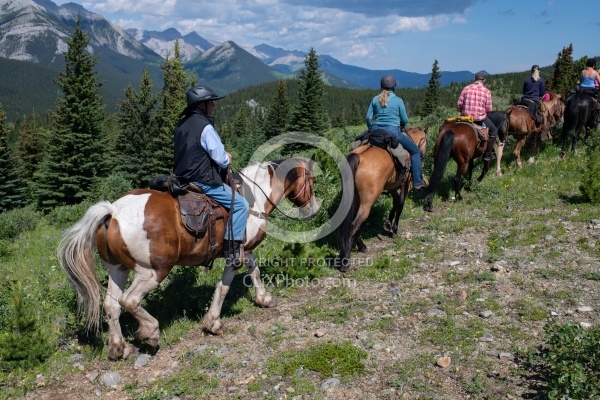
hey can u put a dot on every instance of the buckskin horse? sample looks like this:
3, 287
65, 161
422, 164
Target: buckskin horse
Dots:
142, 232
523, 127
374, 171
581, 115
459, 141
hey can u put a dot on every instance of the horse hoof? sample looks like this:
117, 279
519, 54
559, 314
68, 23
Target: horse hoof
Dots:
362, 249
387, 226
214, 327
266, 302
531, 160
344, 265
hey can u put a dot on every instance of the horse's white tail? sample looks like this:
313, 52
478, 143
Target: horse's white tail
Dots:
76, 255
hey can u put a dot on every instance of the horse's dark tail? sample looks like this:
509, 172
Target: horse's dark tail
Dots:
441, 159
346, 228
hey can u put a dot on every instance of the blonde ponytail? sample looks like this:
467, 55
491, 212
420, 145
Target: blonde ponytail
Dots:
383, 98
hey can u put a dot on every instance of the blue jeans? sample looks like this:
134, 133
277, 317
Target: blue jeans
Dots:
411, 147
222, 195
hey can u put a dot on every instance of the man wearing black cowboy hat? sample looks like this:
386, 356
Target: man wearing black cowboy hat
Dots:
200, 157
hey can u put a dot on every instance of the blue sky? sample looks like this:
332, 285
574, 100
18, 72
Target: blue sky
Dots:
472, 35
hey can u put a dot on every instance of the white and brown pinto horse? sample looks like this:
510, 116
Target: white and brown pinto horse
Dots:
142, 233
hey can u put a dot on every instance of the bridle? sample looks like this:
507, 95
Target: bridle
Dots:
305, 187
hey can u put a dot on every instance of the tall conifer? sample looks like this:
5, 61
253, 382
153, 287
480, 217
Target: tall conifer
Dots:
309, 116
12, 188
278, 114
564, 77
432, 93
76, 150
136, 118
176, 80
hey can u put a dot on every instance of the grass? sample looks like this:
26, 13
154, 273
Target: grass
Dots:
524, 220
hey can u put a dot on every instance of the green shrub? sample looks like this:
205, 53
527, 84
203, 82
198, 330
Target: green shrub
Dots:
23, 340
17, 221
66, 216
572, 361
590, 180
111, 188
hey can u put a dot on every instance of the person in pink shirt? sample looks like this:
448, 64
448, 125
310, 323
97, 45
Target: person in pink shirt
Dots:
475, 101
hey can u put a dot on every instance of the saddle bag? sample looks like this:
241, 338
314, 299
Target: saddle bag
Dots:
196, 212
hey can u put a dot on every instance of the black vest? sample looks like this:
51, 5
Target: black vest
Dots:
190, 160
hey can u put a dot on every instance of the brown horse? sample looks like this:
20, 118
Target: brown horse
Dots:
459, 141
374, 171
142, 233
523, 127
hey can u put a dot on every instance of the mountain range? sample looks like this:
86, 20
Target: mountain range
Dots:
34, 36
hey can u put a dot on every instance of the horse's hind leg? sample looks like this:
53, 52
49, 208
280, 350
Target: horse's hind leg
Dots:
144, 281
117, 346
361, 216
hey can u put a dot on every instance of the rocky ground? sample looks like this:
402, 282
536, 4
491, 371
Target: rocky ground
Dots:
454, 326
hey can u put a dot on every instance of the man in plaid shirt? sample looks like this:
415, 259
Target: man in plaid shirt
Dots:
475, 101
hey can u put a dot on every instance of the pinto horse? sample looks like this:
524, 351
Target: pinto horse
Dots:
459, 141
142, 233
581, 115
523, 127
374, 170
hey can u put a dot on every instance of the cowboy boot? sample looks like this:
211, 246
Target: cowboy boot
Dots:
489, 151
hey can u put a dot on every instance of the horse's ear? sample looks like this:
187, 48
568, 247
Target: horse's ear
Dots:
311, 163
426, 129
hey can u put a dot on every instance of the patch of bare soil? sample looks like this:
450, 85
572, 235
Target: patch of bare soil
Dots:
460, 309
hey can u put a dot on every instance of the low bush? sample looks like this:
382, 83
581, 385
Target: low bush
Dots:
572, 361
17, 221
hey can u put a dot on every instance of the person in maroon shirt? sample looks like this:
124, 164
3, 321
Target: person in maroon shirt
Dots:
475, 101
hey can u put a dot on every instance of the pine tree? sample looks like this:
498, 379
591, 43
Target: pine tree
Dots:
136, 118
278, 114
12, 187
310, 115
29, 148
24, 343
176, 81
76, 148
564, 77
432, 93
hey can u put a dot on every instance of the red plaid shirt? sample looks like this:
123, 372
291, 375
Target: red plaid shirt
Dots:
475, 100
